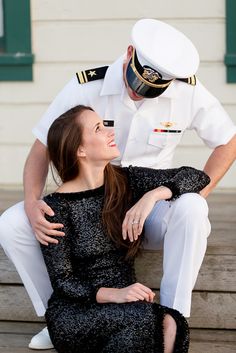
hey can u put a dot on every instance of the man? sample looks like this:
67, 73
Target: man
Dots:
151, 97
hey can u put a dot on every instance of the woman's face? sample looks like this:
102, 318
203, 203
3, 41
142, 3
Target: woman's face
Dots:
98, 141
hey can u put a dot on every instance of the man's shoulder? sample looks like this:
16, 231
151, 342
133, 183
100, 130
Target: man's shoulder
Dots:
194, 89
189, 80
91, 75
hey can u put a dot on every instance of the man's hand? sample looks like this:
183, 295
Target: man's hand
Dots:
132, 293
43, 230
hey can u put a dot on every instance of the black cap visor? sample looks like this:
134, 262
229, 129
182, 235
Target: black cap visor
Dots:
141, 88
140, 81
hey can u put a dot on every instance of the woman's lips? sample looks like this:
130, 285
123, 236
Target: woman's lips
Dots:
112, 143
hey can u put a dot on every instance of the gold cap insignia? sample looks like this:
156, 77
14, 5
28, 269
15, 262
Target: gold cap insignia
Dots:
150, 75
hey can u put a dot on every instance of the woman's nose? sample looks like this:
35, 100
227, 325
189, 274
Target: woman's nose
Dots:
110, 132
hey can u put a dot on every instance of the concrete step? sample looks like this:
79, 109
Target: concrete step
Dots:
212, 310
213, 320
15, 337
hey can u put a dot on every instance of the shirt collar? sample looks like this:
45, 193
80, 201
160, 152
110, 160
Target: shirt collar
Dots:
113, 80
170, 92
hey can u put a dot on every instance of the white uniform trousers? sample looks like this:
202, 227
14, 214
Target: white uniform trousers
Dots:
181, 227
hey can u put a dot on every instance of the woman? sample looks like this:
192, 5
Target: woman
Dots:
97, 305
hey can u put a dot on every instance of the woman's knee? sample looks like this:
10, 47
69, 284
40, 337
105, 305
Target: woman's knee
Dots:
169, 325
177, 331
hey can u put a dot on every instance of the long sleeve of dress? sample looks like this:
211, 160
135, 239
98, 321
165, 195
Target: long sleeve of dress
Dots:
57, 258
178, 180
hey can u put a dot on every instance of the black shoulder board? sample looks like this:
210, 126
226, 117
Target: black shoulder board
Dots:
92, 74
190, 80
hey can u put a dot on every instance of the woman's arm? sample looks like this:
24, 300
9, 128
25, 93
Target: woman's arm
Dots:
132, 293
178, 180
135, 217
145, 182
58, 261
66, 284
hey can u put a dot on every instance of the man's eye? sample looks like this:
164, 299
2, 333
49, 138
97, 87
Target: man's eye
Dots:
98, 128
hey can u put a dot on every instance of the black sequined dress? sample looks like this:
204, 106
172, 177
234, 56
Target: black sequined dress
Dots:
86, 259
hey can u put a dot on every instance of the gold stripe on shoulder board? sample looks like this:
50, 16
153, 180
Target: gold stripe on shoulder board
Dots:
192, 80
91, 74
85, 76
80, 77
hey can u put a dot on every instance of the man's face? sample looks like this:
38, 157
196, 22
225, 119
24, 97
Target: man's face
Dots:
131, 93
142, 81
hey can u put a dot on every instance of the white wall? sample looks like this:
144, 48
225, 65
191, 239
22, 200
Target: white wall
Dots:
70, 35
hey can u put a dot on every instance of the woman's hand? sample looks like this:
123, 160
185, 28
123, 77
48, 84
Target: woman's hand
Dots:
134, 219
132, 293
43, 230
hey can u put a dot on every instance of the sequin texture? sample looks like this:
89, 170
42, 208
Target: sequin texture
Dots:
86, 259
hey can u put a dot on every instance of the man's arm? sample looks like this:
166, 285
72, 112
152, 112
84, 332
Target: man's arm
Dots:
218, 163
35, 173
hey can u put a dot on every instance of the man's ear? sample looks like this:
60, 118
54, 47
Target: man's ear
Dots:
81, 152
129, 52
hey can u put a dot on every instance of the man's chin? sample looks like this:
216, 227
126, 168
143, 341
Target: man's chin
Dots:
134, 96
136, 99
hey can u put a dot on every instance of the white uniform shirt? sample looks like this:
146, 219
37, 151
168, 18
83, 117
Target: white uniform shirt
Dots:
183, 105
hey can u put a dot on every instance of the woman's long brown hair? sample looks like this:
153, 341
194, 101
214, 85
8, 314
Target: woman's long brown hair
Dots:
64, 139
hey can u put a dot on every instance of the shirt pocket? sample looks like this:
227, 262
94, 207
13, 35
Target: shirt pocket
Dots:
164, 139
158, 140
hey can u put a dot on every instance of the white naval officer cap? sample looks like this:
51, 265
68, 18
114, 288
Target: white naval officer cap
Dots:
162, 54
